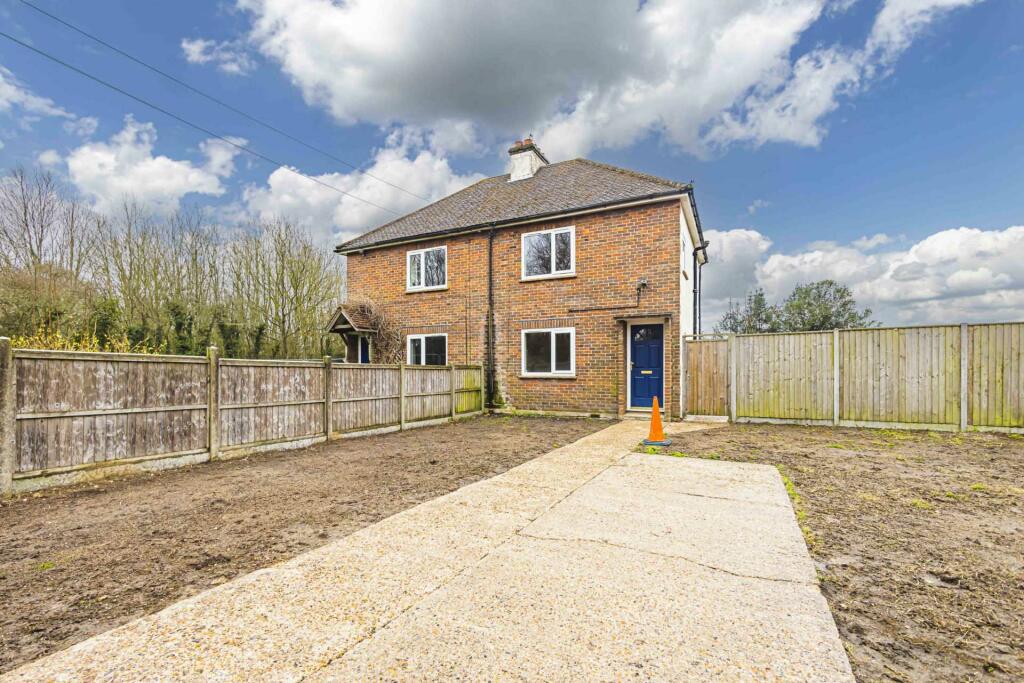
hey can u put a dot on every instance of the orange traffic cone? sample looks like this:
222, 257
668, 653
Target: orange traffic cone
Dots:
656, 437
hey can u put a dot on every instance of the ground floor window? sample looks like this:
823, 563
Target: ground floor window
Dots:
428, 349
550, 352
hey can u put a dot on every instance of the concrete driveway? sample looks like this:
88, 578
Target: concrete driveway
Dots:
588, 563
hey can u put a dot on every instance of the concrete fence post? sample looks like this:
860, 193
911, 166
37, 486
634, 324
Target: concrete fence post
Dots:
451, 377
732, 378
328, 396
965, 362
7, 416
835, 378
213, 402
401, 397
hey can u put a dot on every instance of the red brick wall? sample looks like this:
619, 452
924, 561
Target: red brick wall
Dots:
614, 250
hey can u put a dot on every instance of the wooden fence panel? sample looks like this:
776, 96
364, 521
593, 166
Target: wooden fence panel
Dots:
264, 401
75, 409
364, 397
707, 390
784, 376
468, 385
900, 375
427, 393
995, 377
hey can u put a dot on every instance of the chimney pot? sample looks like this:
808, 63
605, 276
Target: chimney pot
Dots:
526, 160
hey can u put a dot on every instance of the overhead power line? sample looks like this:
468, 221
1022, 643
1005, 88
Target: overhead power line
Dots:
215, 99
176, 117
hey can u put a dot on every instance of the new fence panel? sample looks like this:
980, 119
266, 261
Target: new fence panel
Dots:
365, 396
784, 376
996, 375
908, 375
269, 401
74, 410
707, 391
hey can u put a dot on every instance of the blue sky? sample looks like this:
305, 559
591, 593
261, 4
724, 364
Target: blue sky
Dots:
827, 138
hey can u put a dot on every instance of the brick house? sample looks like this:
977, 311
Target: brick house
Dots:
573, 284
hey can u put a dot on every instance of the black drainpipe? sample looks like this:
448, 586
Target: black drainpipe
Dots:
490, 318
697, 289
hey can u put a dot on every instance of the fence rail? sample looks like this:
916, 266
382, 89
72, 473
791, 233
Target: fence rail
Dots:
74, 416
953, 377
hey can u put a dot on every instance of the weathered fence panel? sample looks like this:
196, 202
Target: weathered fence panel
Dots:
428, 393
996, 375
71, 413
365, 397
784, 376
900, 375
708, 372
268, 401
74, 409
468, 389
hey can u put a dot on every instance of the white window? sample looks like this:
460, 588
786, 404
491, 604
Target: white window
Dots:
426, 269
549, 353
549, 253
427, 349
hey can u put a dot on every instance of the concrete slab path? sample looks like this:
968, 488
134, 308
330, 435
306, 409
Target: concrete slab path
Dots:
588, 563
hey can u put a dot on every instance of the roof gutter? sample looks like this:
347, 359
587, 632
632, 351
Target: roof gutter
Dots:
483, 227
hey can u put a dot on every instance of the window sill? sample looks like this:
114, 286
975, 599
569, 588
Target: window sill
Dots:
548, 375
556, 276
426, 289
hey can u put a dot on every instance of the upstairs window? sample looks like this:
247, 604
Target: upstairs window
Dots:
549, 353
549, 253
428, 349
426, 269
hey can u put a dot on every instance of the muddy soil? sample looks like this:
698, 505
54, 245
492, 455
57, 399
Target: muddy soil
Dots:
78, 561
918, 538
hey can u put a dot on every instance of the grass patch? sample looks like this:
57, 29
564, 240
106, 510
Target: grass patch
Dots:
921, 504
45, 566
798, 509
979, 487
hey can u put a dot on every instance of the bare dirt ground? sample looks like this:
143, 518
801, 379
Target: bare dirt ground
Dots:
918, 538
78, 561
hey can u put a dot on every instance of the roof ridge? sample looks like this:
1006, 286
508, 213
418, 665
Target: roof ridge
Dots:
635, 174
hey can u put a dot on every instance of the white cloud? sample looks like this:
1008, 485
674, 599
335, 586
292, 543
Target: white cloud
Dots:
757, 205
49, 158
229, 56
866, 243
126, 166
961, 274
84, 126
795, 107
701, 74
16, 96
333, 217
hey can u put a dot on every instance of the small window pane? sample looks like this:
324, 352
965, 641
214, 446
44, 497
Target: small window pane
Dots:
538, 352
563, 352
435, 268
563, 251
416, 351
436, 353
538, 254
415, 263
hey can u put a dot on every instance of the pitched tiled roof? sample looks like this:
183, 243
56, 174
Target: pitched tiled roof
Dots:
353, 316
556, 188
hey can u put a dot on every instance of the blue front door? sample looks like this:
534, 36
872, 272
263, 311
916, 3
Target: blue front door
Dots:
646, 375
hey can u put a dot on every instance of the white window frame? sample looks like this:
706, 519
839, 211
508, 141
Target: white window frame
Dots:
571, 372
423, 342
571, 229
423, 270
